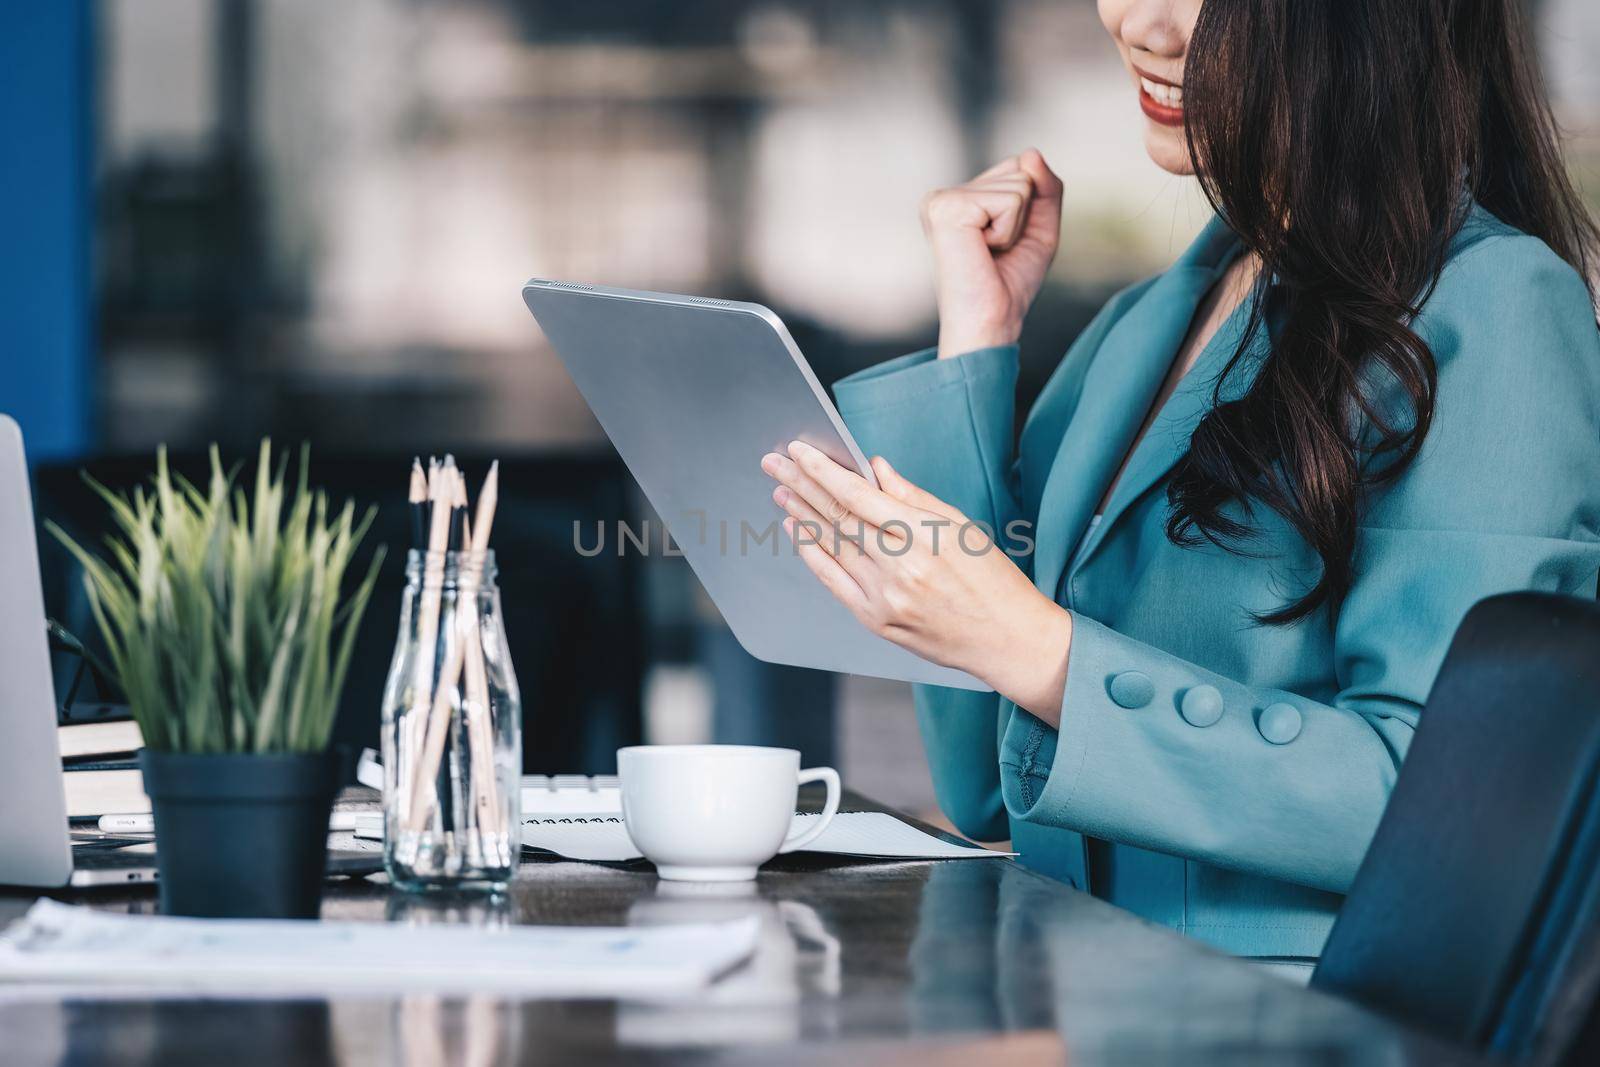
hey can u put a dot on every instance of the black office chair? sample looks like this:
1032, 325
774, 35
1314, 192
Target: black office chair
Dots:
575, 624
1476, 913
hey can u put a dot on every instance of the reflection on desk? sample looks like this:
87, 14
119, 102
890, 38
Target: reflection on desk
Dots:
859, 962
795, 956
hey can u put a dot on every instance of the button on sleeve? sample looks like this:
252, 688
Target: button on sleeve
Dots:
1279, 723
1201, 705
1132, 689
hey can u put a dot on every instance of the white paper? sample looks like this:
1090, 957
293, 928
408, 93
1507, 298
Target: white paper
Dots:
98, 738
866, 834
876, 834
64, 943
95, 793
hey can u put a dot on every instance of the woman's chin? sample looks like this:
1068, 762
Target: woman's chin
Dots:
1168, 148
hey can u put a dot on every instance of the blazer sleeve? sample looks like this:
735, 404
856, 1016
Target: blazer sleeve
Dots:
949, 426
946, 424
1505, 495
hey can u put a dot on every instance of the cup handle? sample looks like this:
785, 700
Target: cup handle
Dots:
802, 838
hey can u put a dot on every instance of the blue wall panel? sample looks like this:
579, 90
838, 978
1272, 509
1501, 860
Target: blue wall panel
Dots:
45, 327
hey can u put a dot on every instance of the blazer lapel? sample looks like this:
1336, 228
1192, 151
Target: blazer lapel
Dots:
1168, 437
1118, 389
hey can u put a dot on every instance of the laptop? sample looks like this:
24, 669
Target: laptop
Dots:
37, 845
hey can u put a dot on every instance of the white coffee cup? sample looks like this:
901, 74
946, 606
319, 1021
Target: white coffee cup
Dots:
714, 813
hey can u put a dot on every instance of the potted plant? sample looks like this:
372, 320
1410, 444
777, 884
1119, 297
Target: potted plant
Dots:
230, 630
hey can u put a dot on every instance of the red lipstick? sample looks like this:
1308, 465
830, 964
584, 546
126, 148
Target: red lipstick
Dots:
1155, 110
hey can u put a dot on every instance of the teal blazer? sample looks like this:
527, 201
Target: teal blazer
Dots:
1218, 775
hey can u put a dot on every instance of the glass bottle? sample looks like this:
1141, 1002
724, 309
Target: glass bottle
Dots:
452, 731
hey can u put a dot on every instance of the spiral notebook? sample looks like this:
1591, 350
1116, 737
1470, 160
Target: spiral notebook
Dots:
579, 818
863, 834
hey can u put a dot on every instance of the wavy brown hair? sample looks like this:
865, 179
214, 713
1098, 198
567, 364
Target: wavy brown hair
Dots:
1339, 139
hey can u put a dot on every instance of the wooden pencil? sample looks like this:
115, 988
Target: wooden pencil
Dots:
483, 520
480, 722
435, 731
417, 499
458, 511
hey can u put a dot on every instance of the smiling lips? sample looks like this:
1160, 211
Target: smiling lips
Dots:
1160, 100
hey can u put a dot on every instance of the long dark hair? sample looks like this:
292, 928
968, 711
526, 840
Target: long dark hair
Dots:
1339, 140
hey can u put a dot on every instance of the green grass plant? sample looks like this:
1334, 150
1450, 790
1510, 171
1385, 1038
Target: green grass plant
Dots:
225, 615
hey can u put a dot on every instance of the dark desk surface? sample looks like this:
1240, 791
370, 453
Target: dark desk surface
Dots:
927, 963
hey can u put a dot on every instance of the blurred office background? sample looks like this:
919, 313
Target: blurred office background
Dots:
308, 219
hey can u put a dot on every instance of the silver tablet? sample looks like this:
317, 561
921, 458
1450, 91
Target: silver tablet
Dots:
693, 392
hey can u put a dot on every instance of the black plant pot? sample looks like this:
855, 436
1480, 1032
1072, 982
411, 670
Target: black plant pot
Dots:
241, 836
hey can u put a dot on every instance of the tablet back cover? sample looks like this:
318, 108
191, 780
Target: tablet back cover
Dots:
693, 392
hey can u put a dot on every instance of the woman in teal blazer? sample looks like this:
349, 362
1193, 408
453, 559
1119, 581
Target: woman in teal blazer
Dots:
1261, 490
